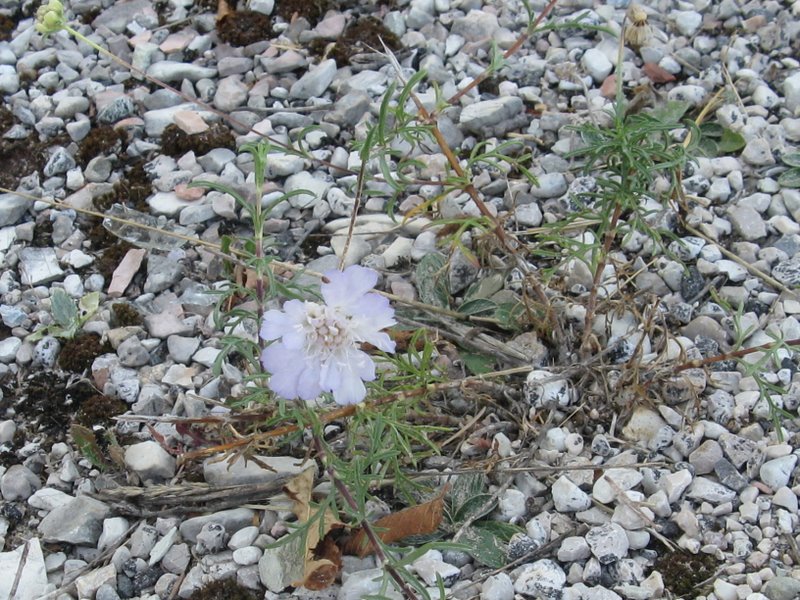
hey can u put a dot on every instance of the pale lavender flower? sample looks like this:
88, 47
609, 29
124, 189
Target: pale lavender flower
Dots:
317, 346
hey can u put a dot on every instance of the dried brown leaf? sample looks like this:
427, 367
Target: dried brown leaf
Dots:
322, 570
223, 9
321, 563
657, 74
422, 519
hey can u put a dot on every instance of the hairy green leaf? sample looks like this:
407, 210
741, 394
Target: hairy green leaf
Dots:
477, 364
63, 307
431, 274
790, 178
730, 141
485, 547
792, 159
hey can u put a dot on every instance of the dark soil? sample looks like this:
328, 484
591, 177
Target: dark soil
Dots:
99, 410
364, 35
310, 10
7, 27
20, 158
45, 403
78, 354
244, 27
176, 142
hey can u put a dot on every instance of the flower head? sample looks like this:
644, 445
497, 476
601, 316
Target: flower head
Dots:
50, 17
316, 346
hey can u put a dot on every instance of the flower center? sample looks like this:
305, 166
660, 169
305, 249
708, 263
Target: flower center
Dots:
326, 330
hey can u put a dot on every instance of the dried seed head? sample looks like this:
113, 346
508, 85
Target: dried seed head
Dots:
637, 31
637, 15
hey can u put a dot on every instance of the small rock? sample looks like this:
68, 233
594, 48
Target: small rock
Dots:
498, 587
489, 113
79, 522
782, 588
18, 483
38, 266
172, 71
211, 538
596, 64
542, 579
568, 497
315, 81
608, 543
150, 461
12, 207
758, 153
705, 458
32, 572
87, 585
777, 472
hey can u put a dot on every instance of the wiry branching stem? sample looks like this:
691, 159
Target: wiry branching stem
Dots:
365, 524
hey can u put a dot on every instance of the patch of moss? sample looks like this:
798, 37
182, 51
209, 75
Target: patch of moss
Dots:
125, 315
683, 572
7, 26
362, 36
79, 353
99, 410
227, 589
176, 142
20, 158
43, 233
99, 141
244, 27
133, 189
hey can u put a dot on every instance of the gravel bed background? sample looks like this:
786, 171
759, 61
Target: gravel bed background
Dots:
618, 492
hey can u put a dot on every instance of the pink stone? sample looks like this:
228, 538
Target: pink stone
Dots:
184, 192
106, 97
125, 271
176, 42
190, 121
332, 27
140, 38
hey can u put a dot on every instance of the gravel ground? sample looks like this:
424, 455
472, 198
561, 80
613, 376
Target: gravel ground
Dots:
618, 491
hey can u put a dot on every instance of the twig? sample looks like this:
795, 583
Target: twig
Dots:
21, 567
699, 363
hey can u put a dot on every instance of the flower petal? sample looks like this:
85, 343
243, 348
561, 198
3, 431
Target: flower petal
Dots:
286, 369
370, 314
308, 386
346, 286
351, 389
274, 324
